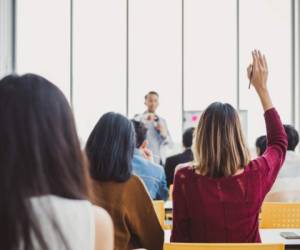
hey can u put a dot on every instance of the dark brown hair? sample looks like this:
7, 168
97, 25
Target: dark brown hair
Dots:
39, 155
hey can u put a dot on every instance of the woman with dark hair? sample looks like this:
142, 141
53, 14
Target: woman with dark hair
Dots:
110, 150
43, 194
218, 197
261, 145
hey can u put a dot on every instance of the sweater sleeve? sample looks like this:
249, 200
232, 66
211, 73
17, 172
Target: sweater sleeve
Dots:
272, 159
180, 229
142, 219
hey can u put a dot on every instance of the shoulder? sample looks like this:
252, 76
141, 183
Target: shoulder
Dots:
59, 203
103, 229
102, 217
138, 191
188, 165
173, 158
257, 165
184, 171
145, 165
160, 171
138, 159
135, 183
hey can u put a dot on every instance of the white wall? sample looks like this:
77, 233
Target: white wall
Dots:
6, 37
140, 45
43, 40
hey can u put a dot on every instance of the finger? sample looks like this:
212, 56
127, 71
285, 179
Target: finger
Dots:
249, 71
260, 59
254, 55
265, 62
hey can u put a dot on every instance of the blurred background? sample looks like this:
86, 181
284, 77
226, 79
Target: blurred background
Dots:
105, 55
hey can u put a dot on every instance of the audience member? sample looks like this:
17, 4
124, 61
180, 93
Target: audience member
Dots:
261, 145
218, 198
110, 149
287, 186
42, 174
186, 156
151, 173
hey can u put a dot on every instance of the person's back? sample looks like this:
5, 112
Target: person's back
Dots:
152, 174
218, 198
287, 186
110, 148
223, 209
42, 172
135, 222
74, 218
187, 156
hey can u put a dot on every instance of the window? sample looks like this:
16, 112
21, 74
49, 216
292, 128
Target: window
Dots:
155, 58
99, 61
266, 25
210, 53
43, 40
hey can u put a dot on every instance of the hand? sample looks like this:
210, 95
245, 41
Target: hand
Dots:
161, 129
258, 71
151, 117
147, 154
258, 76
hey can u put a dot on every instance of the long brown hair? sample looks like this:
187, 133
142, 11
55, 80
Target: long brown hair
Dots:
219, 145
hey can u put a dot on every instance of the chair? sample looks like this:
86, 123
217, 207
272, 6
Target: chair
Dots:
160, 212
171, 191
283, 196
280, 215
218, 246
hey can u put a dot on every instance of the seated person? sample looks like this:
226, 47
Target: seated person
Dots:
110, 149
287, 185
143, 165
186, 156
43, 189
261, 145
218, 197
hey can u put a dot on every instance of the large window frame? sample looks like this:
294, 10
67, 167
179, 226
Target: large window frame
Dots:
295, 57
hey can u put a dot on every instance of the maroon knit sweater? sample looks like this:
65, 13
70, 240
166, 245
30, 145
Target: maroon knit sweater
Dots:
226, 209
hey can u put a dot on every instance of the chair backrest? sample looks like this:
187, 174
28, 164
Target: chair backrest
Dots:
283, 196
223, 246
171, 192
160, 211
280, 215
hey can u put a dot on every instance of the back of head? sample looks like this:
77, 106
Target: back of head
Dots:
187, 138
219, 147
140, 132
39, 154
261, 144
293, 137
110, 148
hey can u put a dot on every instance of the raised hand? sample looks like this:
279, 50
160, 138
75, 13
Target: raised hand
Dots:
258, 75
258, 71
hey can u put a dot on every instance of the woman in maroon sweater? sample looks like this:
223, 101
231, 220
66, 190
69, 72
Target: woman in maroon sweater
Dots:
218, 198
